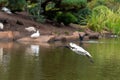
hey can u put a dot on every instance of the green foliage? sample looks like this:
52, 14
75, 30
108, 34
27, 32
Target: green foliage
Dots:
113, 22
111, 4
95, 3
97, 19
51, 9
16, 5
82, 15
66, 18
102, 17
35, 11
50, 6
75, 3
3, 3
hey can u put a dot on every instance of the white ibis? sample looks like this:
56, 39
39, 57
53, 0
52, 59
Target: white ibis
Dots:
35, 35
1, 25
30, 29
6, 10
79, 50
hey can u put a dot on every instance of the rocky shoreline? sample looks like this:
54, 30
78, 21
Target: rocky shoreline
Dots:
8, 36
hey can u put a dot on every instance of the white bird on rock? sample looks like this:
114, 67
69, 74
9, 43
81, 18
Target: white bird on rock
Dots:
30, 29
35, 35
1, 25
79, 50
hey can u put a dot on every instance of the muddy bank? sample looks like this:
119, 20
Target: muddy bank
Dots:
15, 24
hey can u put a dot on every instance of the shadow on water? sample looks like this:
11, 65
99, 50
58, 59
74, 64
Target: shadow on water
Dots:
90, 59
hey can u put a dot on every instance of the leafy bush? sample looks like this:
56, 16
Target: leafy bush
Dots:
66, 18
50, 6
98, 18
75, 3
35, 11
3, 3
113, 22
102, 17
111, 4
95, 3
51, 9
16, 5
82, 15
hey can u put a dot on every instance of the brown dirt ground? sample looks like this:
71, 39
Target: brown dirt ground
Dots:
18, 22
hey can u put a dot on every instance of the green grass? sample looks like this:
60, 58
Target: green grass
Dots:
102, 17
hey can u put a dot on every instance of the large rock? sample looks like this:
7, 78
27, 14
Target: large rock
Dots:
65, 38
41, 39
6, 36
9, 35
92, 34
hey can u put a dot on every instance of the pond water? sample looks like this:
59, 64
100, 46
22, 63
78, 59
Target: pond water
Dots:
40, 62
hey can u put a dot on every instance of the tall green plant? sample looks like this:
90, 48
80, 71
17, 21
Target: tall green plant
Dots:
113, 22
35, 10
102, 17
111, 4
97, 19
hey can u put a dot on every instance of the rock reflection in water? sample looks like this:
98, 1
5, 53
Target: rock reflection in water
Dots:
1, 54
4, 55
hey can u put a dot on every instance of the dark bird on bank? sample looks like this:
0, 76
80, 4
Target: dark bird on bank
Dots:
81, 37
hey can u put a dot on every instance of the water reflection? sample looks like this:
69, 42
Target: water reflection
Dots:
16, 63
33, 50
36, 62
1, 54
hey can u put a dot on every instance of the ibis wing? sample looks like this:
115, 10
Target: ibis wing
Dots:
79, 50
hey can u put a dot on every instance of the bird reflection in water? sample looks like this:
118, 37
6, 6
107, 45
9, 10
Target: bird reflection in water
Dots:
35, 50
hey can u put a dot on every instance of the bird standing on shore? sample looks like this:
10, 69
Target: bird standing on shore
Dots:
6, 10
30, 29
35, 35
1, 26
